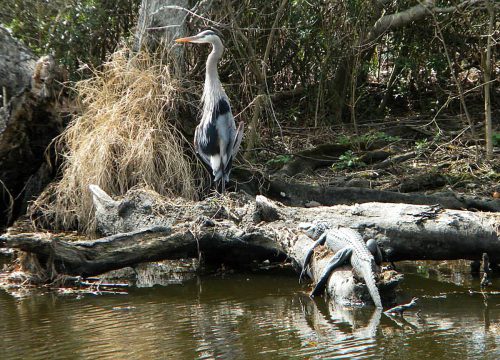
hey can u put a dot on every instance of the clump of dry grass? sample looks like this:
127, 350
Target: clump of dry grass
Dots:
125, 137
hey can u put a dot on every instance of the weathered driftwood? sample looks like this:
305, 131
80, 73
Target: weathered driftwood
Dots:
265, 228
404, 231
216, 230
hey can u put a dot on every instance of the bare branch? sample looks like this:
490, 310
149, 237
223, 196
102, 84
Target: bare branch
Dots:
417, 12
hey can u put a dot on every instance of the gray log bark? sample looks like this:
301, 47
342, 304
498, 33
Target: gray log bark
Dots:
94, 257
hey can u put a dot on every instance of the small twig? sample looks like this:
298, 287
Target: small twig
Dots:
190, 12
10, 207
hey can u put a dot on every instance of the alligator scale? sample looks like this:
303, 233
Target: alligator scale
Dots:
349, 248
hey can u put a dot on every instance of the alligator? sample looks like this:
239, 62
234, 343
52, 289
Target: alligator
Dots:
349, 247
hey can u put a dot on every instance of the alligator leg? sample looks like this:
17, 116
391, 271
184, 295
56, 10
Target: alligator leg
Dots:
342, 257
310, 252
375, 250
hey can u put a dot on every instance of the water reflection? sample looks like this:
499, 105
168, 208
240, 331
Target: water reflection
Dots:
249, 316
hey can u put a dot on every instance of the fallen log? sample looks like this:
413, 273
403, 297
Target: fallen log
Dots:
239, 230
94, 257
404, 231
293, 193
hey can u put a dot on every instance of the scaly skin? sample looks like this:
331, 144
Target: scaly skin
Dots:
351, 248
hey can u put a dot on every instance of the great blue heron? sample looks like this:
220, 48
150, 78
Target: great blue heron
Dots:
216, 139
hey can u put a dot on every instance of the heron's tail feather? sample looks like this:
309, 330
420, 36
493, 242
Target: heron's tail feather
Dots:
218, 175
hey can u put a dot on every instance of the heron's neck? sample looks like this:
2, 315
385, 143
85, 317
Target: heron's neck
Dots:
213, 88
213, 58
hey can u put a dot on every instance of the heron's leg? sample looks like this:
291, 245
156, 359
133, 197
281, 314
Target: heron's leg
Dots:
310, 252
342, 257
222, 181
375, 250
219, 187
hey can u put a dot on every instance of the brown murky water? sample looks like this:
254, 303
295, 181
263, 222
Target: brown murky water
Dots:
254, 316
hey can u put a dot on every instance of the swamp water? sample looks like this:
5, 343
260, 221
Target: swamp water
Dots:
262, 315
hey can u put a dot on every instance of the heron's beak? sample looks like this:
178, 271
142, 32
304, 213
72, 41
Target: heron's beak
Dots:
185, 39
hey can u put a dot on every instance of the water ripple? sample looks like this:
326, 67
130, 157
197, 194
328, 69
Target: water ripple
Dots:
229, 319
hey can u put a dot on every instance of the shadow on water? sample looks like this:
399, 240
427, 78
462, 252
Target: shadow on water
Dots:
250, 316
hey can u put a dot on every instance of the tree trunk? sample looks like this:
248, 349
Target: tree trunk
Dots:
29, 121
160, 22
487, 79
17, 63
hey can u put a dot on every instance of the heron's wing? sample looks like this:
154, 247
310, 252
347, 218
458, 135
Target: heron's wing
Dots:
202, 156
234, 146
238, 137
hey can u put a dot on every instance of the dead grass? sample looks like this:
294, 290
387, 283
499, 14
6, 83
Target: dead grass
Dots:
125, 137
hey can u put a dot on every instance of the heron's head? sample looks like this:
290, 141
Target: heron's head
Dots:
205, 37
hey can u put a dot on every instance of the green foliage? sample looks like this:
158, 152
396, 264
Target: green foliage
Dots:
493, 175
76, 32
348, 160
422, 145
315, 45
344, 140
279, 160
379, 136
496, 139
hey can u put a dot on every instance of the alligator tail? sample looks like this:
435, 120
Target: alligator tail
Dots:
369, 278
